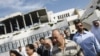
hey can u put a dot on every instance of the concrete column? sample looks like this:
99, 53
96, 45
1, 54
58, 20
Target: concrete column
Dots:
37, 14
31, 18
5, 29
38, 17
24, 21
17, 24
11, 26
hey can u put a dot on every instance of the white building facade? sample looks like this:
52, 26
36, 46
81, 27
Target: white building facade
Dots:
28, 32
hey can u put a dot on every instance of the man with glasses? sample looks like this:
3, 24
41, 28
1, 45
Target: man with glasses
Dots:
86, 40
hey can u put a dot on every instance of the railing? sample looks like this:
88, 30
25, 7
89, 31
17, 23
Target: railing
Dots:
23, 42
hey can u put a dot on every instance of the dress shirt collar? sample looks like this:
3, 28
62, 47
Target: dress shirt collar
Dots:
84, 32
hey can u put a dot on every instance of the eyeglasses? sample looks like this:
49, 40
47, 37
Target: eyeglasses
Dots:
79, 26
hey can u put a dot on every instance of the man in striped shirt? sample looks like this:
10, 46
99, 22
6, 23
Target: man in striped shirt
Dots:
63, 46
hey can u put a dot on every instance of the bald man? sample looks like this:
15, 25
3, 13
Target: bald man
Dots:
64, 47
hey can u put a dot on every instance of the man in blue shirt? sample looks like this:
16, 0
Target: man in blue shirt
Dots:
86, 40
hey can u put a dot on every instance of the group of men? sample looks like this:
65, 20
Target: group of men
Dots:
83, 43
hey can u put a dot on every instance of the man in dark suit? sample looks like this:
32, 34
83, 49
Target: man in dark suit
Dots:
40, 50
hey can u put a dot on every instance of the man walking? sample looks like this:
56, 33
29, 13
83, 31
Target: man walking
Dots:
96, 29
86, 40
63, 46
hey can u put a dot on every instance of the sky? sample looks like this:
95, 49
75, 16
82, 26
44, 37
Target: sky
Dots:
8, 7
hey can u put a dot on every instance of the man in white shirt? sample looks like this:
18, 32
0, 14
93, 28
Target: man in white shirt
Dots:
96, 29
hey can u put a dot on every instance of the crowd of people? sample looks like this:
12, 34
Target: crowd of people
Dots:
82, 43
